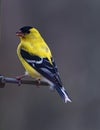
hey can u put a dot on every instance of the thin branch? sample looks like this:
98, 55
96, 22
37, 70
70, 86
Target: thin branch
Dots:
4, 80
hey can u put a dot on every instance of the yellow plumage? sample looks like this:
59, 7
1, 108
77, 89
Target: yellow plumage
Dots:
37, 59
34, 44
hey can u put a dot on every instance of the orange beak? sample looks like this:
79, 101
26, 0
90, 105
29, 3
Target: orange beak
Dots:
19, 34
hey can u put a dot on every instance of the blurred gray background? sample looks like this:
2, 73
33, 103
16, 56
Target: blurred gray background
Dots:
72, 31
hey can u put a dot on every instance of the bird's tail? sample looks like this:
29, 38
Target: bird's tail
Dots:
62, 92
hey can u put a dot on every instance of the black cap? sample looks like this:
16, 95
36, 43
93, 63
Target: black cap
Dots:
25, 29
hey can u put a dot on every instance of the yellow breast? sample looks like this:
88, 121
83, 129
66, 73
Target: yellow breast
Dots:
31, 71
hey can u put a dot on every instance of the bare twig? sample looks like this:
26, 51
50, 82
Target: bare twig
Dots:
4, 80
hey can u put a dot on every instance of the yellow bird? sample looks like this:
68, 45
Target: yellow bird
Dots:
37, 59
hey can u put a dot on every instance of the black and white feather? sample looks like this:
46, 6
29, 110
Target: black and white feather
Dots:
47, 70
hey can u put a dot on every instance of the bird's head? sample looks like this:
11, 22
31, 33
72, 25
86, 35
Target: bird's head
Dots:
27, 32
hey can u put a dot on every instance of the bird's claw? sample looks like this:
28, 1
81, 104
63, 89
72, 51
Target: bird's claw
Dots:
38, 82
18, 78
19, 82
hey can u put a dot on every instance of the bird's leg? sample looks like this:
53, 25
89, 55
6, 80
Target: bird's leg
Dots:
38, 80
21, 77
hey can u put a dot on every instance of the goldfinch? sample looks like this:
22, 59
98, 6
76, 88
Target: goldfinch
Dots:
37, 59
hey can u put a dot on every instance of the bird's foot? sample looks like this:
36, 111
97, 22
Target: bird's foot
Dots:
19, 78
38, 82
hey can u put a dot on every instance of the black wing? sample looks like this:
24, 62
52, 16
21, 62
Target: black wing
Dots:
43, 66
